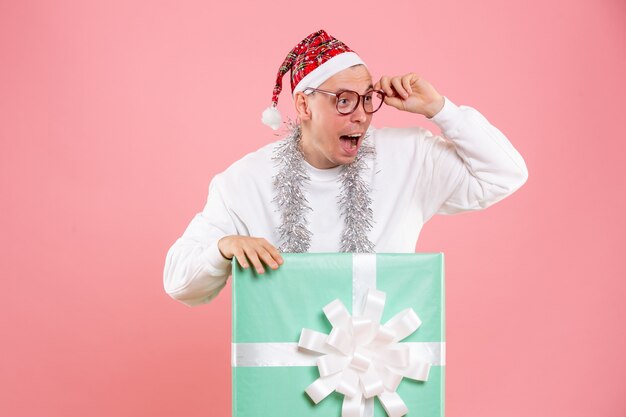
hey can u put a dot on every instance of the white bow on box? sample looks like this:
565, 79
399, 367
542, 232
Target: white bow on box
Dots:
362, 358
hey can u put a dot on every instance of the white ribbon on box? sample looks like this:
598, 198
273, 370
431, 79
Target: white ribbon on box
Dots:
360, 358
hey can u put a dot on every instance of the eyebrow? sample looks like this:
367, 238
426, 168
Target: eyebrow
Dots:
370, 87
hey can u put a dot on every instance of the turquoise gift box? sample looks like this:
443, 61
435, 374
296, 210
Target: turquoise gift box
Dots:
270, 372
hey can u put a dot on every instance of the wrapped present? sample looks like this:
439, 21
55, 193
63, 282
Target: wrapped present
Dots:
340, 335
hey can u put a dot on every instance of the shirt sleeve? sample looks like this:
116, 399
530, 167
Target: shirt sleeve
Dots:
471, 167
195, 270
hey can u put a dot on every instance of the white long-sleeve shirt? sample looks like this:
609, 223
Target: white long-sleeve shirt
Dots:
415, 175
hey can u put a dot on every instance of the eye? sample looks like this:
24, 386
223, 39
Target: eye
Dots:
342, 101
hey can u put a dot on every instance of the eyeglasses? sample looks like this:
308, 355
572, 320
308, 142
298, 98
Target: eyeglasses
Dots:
348, 100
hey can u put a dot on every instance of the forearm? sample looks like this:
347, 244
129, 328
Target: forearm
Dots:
496, 168
485, 150
195, 271
194, 274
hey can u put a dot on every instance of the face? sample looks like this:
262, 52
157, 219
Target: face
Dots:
324, 130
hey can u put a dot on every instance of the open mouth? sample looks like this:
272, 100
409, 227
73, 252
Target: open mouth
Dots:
350, 142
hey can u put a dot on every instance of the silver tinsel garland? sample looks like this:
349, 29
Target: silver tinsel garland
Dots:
354, 199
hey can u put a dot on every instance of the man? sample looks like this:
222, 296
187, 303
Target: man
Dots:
335, 184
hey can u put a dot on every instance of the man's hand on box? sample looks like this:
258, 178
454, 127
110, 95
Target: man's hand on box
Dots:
250, 249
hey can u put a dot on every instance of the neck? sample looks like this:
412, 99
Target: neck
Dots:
312, 154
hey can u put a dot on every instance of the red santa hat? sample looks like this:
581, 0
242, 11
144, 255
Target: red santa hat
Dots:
315, 59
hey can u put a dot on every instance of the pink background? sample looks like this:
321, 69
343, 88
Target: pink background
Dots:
115, 115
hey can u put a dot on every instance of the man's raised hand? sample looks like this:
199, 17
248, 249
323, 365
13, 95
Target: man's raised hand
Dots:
411, 93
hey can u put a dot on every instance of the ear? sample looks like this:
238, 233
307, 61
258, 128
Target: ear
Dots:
303, 110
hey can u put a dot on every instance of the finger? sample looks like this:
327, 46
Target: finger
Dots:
254, 260
267, 258
407, 80
241, 258
377, 85
274, 253
386, 86
396, 82
395, 102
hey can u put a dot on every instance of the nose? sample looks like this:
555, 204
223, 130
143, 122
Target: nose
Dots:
359, 115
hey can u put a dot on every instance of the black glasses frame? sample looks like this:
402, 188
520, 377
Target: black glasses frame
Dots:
359, 101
